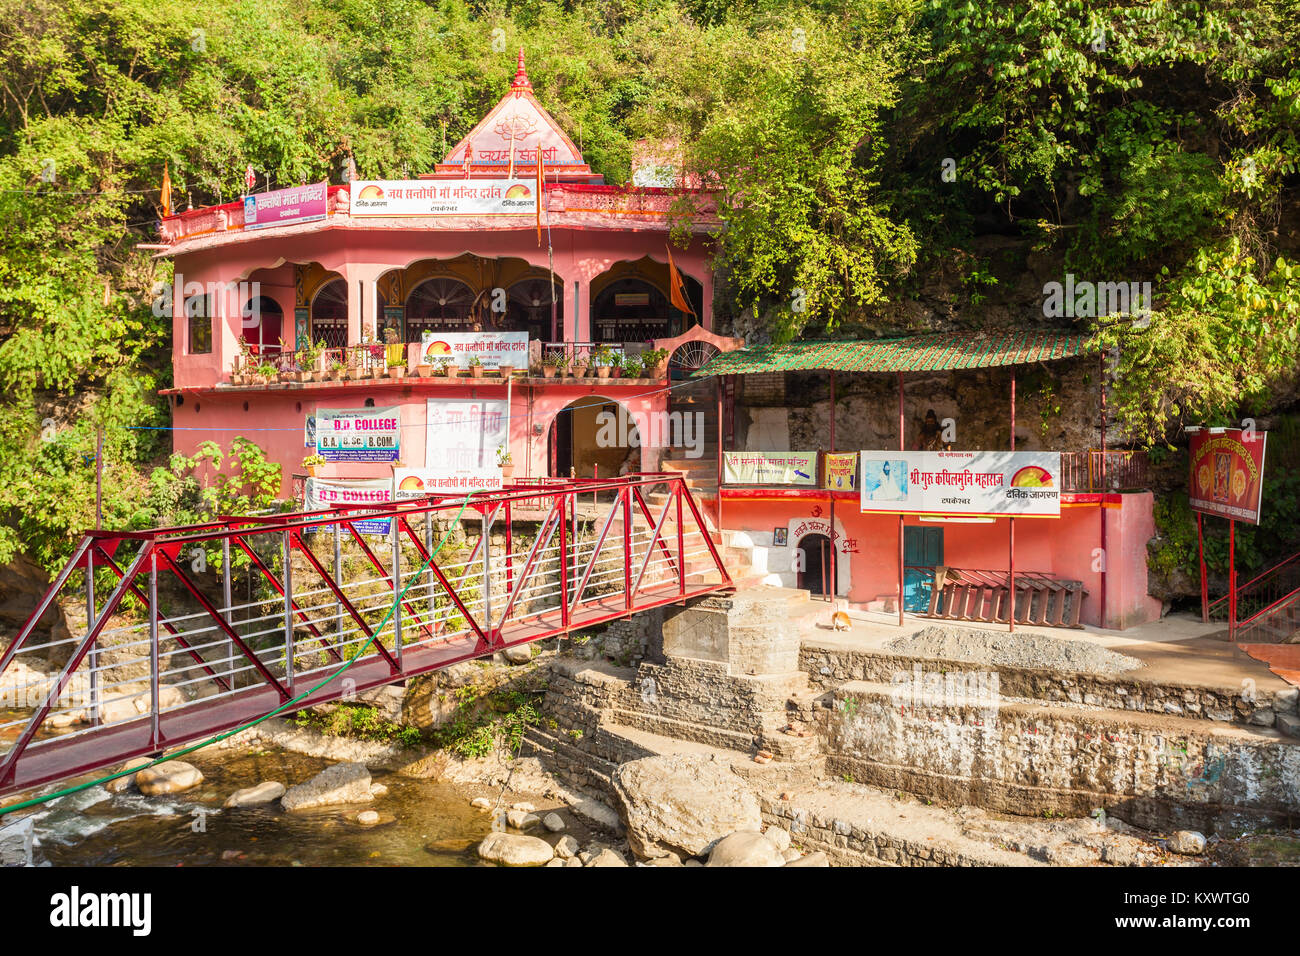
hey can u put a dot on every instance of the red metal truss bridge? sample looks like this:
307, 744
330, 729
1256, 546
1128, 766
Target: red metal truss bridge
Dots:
139, 678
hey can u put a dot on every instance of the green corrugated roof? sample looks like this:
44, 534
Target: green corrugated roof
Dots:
936, 352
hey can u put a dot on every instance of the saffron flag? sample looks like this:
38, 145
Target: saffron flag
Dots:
469, 155
541, 182
677, 288
166, 191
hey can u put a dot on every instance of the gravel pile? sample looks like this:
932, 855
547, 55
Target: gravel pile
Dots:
1012, 650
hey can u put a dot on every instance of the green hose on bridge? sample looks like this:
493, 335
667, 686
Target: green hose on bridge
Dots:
287, 705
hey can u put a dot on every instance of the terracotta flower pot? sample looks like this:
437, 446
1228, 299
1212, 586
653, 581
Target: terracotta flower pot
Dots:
602, 371
476, 371
449, 370
507, 471
396, 371
424, 371
548, 371
355, 373
506, 370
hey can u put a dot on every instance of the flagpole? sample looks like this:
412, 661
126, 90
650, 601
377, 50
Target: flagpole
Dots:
550, 251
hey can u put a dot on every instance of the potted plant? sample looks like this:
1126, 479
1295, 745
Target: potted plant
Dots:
266, 373
396, 365
554, 364
503, 460
506, 370
355, 369
375, 367
656, 362
602, 359
578, 368
632, 368
446, 367
424, 369
616, 361
337, 370
313, 464
475, 366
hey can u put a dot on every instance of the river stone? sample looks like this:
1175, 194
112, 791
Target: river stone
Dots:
519, 654
367, 818
521, 820
378, 790
553, 822
341, 783
566, 847
481, 803
556, 862
267, 792
174, 776
573, 861
746, 848
816, 858
597, 813
780, 838
1187, 842
790, 854
515, 849
607, 857
525, 807
127, 782
682, 802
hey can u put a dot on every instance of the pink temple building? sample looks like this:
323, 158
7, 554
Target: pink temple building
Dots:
322, 265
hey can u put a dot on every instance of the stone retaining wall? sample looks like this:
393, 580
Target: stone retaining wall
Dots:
828, 668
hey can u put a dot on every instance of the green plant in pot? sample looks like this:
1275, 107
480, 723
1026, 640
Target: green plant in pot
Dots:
554, 364
475, 366
602, 360
504, 461
266, 373
313, 464
655, 362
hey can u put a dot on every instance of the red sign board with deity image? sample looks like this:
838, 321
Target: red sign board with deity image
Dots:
1227, 472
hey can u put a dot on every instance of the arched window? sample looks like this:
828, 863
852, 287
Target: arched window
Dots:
439, 304
632, 310
528, 308
329, 315
262, 324
199, 310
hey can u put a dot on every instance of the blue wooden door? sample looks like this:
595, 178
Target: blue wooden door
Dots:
922, 552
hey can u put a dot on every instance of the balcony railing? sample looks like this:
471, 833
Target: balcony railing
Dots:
1094, 470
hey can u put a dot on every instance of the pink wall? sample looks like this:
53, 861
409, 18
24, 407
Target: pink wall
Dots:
1069, 547
362, 254
275, 418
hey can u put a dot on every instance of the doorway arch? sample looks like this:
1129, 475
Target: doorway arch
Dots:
329, 314
594, 436
815, 576
263, 324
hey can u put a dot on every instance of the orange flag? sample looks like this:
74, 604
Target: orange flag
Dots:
541, 183
677, 288
469, 156
166, 191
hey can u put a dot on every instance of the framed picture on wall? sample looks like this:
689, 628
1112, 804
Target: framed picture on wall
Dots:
780, 537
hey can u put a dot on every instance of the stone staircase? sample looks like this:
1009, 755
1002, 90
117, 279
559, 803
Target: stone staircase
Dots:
728, 682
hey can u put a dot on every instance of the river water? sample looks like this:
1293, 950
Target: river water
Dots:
425, 823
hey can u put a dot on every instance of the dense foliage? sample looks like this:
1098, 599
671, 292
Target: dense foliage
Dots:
861, 148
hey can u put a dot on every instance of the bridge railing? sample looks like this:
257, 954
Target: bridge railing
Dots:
191, 631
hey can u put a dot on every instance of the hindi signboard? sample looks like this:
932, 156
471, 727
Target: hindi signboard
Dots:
769, 467
418, 482
321, 493
1227, 472
974, 483
284, 207
459, 197
841, 471
359, 434
462, 437
493, 349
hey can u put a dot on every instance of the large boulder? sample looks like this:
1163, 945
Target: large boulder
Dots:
746, 848
341, 783
515, 849
682, 802
174, 776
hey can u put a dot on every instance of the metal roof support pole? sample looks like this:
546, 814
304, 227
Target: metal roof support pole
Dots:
90, 622
397, 587
288, 611
835, 577
900, 517
226, 613
154, 735
1011, 521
